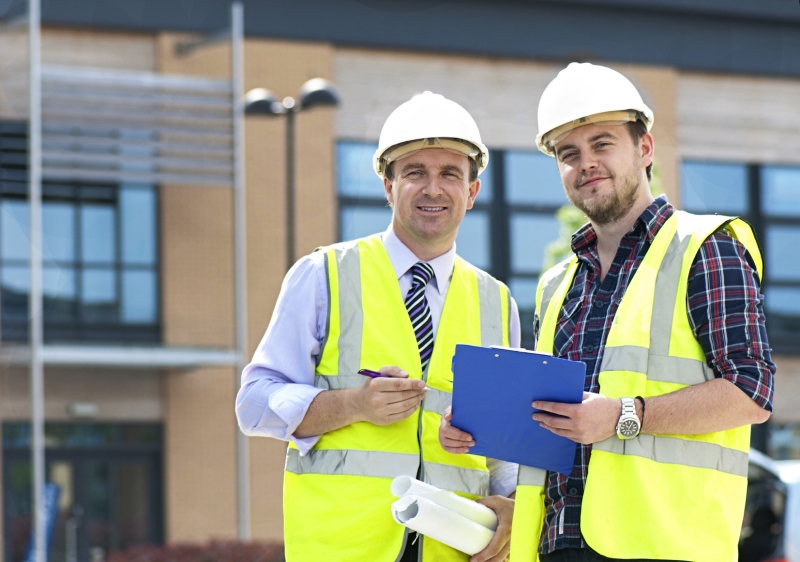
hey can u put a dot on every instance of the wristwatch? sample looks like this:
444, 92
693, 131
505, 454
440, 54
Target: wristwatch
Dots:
628, 425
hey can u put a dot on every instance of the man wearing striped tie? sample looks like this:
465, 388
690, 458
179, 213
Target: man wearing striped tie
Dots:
396, 302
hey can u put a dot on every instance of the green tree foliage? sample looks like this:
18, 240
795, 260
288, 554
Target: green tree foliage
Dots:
571, 219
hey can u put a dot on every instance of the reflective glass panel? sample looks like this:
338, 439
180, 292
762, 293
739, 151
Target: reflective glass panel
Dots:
358, 222
139, 304
137, 207
782, 242
16, 282
14, 229
780, 190
58, 289
99, 295
714, 187
98, 234
485, 195
58, 282
782, 300
530, 235
473, 239
524, 292
532, 178
354, 172
58, 230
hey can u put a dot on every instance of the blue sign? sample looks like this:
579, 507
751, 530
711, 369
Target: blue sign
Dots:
51, 495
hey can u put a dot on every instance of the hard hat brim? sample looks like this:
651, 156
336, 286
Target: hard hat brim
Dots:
459, 146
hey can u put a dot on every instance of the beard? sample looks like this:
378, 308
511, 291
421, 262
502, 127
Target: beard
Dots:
614, 206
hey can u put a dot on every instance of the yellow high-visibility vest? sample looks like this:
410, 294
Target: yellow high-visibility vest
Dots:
337, 498
663, 497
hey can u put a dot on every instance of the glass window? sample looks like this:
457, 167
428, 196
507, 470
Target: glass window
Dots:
355, 175
357, 222
781, 242
524, 291
472, 242
487, 187
138, 297
782, 300
14, 229
58, 231
530, 235
138, 224
780, 190
533, 178
714, 187
98, 234
100, 263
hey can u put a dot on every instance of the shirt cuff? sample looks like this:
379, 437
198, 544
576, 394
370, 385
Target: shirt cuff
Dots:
291, 403
502, 477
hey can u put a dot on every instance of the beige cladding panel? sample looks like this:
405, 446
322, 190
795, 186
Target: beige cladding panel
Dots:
502, 96
739, 118
200, 476
120, 395
787, 390
89, 48
197, 276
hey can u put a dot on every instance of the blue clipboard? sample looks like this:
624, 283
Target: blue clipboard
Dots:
492, 393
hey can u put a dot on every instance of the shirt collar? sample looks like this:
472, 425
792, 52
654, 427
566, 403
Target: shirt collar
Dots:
403, 259
649, 223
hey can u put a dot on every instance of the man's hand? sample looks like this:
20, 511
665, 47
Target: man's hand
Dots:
452, 439
498, 548
593, 420
384, 401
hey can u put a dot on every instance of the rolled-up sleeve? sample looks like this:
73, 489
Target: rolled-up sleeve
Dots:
726, 310
278, 384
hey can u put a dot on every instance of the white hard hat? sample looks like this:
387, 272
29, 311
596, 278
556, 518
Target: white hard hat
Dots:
585, 93
429, 121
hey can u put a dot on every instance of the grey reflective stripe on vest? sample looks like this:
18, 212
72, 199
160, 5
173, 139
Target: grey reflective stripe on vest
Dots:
351, 316
491, 311
656, 362
551, 286
457, 479
666, 293
659, 368
529, 476
349, 462
672, 450
436, 401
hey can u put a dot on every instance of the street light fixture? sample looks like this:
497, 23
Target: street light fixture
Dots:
316, 92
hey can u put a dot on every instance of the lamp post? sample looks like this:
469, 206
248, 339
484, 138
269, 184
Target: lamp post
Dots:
316, 92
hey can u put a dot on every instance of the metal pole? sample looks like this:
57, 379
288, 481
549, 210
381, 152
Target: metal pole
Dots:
35, 297
290, 187
240, 269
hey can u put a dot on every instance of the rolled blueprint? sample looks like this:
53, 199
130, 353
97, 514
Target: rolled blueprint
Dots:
403, 486
427, 518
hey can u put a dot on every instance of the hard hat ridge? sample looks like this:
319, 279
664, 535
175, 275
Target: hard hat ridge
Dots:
585, 93
429, 120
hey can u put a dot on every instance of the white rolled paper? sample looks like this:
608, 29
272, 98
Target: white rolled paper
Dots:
441, 515
403, 486
427, 518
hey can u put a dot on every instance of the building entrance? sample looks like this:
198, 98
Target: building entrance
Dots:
109, 477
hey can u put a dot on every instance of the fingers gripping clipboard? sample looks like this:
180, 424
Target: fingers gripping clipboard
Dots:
493, 389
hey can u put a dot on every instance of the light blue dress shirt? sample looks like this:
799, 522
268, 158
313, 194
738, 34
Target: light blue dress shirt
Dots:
278, 384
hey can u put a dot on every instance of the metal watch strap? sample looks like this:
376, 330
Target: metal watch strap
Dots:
628, 407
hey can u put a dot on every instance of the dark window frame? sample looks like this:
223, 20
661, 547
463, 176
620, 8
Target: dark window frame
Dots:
780, 341
13, 186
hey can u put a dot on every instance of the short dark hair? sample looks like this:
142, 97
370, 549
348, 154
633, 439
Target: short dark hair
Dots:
473, 170
637, 130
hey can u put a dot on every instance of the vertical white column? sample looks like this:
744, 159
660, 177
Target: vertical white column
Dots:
35, 310
240, 266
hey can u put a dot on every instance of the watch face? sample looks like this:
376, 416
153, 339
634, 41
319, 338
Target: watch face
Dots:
628, 428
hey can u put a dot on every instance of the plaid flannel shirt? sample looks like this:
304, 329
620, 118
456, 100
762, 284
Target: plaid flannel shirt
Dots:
725, 308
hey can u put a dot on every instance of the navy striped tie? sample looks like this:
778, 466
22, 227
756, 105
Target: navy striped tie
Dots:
420, 312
